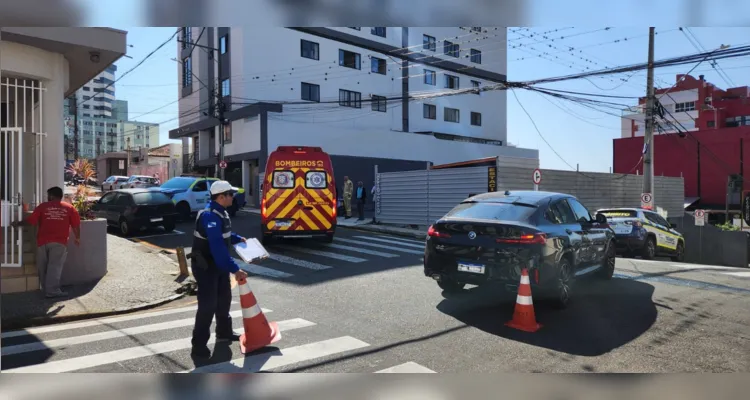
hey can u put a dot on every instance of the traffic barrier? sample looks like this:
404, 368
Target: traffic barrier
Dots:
523, 315
258, 331
182, 262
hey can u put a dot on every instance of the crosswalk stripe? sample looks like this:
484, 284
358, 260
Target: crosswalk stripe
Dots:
299, 263
132, 353
406, 368
739, 274
381, 246
324, 254
259, 270
415, 245
284, 357
99, 336
101, 321
400, 239
363, 251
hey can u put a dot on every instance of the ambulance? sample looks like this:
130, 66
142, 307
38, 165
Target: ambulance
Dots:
298, 195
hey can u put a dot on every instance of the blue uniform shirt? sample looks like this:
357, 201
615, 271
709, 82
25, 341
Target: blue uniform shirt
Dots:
219, 251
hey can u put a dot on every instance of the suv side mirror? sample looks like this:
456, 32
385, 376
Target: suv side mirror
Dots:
600, 218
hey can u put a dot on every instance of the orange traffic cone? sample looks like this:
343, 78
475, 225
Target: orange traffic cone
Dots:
523, 316
258, 331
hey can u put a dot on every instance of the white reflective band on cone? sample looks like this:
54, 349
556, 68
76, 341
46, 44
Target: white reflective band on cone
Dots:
525, 280
245, 289
251, 312
524, 300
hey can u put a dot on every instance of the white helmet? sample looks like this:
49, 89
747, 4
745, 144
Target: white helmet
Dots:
220, 187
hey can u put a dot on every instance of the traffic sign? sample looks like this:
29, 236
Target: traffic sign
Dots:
700, 218
222, 164
647, 201
537, 177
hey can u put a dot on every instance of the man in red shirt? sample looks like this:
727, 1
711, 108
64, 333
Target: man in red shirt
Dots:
53, 219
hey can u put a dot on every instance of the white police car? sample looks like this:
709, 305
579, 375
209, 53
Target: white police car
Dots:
645, 233
190, 194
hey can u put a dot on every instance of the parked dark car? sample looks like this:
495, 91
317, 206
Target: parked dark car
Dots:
490, 237
131, 210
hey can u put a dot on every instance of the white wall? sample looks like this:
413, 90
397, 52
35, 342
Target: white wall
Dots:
198, 99
245, 136
382, 143
683, 120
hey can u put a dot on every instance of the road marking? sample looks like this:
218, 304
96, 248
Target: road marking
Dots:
418, 246
363, 251
132, 353
174, 232
258, 270
99, 336
739, 274
284, 357
400, 239
381, 246
407, 368
713, 267
299, 263
323, 254
97, 322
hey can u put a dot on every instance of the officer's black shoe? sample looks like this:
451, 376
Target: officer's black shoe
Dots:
231, 338
201, 351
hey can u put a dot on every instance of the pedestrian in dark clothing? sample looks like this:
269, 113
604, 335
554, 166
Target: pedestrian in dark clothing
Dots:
361, 198
211, 265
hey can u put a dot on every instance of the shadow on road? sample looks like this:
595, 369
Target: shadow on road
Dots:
600, 318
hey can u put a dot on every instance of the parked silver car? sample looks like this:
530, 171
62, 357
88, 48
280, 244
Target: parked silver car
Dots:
140, 182
113, 182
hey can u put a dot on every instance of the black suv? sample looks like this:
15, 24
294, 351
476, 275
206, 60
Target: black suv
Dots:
491, 236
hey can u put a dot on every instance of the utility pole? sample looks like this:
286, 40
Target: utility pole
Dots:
648, 139
127, 160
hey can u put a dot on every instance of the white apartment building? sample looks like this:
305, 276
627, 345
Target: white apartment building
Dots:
368, 96
96, 97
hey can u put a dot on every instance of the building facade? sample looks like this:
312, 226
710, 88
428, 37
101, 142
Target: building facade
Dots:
713, 141
39, 68
398, 98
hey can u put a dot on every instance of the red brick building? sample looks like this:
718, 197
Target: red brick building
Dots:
716, 145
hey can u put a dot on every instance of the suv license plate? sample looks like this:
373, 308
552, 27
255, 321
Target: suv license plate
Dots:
472, 268
283, 224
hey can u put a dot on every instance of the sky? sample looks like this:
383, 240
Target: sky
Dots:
576, 136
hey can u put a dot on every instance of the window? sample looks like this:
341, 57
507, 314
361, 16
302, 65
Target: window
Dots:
475, 85
379, 103
711, 124
476, 119
429, 77
450, 49
451, 81
201, 186
87, 97
581, 213
151, 198
349, 59
560, 213
429, 111
428, 42
378, 31
348, 98
682, 107
309, 50
224, 44
228, 133
492, 211
358, 28
451, 115
476, 28
187, 72
225, 88
378, 65
310, 92
476, 56
86, 89
747, 120
283, 179
187, 36
316, 180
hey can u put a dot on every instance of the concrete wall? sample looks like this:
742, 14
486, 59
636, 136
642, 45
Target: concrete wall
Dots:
711, 245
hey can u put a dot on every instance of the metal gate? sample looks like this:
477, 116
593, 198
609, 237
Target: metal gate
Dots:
21, 159
11, 160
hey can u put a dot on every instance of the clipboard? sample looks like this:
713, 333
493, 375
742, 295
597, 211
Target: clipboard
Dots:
251, 250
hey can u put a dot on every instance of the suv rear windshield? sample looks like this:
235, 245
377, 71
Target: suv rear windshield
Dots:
151, 198
497, 211
619, 213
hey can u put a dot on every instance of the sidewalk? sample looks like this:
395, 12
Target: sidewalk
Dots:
137, 278
368, 226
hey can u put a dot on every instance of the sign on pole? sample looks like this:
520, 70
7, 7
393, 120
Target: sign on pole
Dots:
492, 179
700, 218
647, 201
222, 164
537, 178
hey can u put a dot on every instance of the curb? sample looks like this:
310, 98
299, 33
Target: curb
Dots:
22, 323
366, 228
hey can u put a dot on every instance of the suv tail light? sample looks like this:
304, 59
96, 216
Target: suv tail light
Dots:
536, 238
434, 233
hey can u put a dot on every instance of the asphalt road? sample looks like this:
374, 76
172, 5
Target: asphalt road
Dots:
363, 305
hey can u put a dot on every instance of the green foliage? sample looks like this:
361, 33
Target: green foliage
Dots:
728, 227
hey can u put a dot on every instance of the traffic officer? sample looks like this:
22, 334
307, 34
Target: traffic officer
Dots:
211, 265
